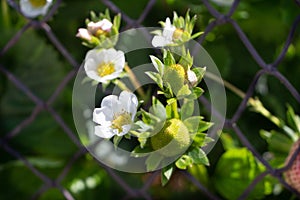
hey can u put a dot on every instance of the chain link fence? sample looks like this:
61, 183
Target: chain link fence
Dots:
42, 106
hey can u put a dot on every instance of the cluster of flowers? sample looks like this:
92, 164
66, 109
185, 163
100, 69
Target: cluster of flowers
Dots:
167, 128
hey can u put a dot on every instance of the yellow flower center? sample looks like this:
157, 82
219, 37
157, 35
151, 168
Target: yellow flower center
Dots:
177, 34
38, 3
121, 120
100, 32
105, 69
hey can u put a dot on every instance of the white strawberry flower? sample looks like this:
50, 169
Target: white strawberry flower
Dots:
167, 35
116, 115
34, 8
104, 65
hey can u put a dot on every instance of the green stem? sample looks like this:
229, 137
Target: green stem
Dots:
135, 82
121, 85
5, 14
174, 108
255, 103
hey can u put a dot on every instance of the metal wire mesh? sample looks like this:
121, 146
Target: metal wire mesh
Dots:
141, 192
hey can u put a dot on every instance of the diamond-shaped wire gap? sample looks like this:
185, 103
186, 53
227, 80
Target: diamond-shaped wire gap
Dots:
83, 176
146, 11
116, 9
131, 23
59, 46
66, 193
287, 43
247, 96
45, 145
61, 86
142, 192
52, 193
26, 122
251, 187
19, 107
248, 44
149, 181
130, 191
65, 127
40, 191
36, 172
287, 84
71, 162
199, 185
20, 85
51, 12
35, 58
14, 39
247, 144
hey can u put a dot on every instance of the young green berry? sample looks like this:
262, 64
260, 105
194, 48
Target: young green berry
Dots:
175, 76
173, 139
292, 175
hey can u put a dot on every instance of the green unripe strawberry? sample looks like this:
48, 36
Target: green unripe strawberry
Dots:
175, 76
173, 139
292, 175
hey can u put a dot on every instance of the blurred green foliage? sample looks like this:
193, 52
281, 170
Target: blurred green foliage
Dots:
38, 64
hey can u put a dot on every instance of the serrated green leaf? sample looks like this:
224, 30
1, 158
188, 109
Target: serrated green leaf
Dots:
158, 109
166, 174
156, 78
184, 161
198, 156
143, 138
196, 35
149, 118
168, 58
199, 71
168, 92
293, 119
159, 66
197, 91
183, 92
195, 124
117, 21
198, 139
277, 142
187, 109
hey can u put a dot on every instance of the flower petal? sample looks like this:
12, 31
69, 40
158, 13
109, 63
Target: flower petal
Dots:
129, 102
192, 77
103, 116
84, 34
160, 41
104, 131
109, 101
